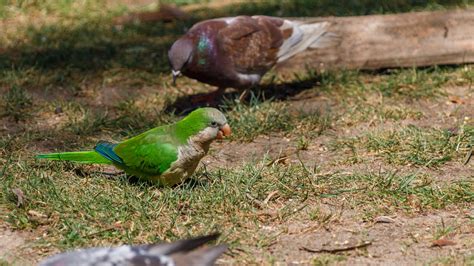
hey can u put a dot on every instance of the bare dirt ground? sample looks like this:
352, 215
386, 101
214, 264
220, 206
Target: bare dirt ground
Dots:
15, 246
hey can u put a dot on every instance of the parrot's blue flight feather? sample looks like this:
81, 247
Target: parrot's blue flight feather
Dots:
106, 149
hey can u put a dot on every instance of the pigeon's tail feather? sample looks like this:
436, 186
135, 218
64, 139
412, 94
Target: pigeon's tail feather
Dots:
78, 156
200, 257
304, 36
182, 245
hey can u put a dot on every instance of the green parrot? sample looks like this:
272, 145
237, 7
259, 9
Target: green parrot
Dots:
165, 155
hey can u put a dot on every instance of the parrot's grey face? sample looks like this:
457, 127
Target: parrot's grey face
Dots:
217, 127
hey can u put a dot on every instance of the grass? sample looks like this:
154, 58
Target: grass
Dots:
16, 104
414, 83
260, 117
412, 145
92, 209
69, 78
327, 259
451, 260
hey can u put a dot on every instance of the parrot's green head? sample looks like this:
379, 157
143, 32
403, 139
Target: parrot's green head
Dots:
203, 125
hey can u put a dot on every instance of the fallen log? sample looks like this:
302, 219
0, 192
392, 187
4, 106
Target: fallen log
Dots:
399, 40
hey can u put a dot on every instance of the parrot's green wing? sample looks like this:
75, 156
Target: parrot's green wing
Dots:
150, 153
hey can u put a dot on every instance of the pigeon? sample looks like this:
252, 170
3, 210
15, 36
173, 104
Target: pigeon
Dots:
237, 51
179, 253
165, 155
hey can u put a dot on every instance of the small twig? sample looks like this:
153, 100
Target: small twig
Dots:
270, 196
338, 249
254, 200
101, 231
468, 156
278, 160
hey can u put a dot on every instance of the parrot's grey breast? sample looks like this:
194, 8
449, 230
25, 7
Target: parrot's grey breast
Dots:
189, 156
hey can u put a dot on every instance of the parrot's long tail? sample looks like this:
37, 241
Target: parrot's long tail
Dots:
78, 156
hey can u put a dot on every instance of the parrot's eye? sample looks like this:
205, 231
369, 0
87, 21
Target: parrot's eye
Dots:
214, 123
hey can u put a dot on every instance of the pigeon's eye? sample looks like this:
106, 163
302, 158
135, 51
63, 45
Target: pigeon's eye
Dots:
214, 123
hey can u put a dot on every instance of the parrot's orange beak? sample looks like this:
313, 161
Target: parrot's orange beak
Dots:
225, 131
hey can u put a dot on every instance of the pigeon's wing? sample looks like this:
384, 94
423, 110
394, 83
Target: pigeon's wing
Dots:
181, 245
190, 251
124, 255
200, 257
150, 153
251, 43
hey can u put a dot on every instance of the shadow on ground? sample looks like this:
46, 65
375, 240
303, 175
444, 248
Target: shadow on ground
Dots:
273, 91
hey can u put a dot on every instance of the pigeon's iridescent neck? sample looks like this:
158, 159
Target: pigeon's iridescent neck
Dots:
204, 48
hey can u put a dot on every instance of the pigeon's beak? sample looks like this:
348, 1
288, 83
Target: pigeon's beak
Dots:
224, 131
176, 74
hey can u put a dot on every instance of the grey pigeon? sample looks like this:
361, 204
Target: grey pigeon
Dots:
182, 252
237, 51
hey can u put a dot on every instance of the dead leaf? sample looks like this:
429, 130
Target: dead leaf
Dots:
338, 249
38, 217
384, 219
442, 242
118, 224
37, 214
456, 99
20, 196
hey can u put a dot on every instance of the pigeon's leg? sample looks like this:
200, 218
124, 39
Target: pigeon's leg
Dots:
209, 97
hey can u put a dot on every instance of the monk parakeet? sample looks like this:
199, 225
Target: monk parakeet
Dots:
179, 253
166, 155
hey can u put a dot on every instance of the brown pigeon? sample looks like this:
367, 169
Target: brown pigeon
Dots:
237, 51
182, 252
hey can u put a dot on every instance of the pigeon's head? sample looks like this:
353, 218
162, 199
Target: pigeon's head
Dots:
179, 55
204, 125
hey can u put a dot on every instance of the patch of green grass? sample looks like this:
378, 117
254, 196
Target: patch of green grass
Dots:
263, 117
411, 84
327, 259
467, 259
378, 112
467, 76
17, 103
257, 118
344, 82
414, 83
411, 145
442, 231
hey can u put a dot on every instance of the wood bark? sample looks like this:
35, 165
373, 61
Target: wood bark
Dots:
399, 40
